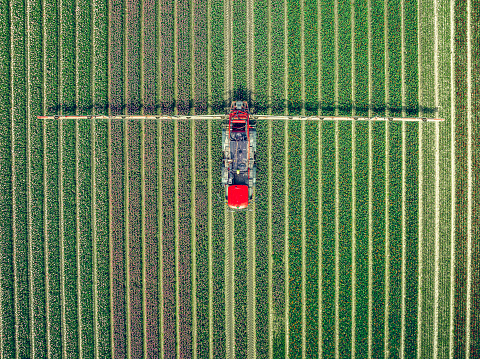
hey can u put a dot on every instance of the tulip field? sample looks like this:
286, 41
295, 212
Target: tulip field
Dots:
361, 241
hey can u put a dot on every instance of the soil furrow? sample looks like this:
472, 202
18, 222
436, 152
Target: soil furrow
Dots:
229, 285
251, 284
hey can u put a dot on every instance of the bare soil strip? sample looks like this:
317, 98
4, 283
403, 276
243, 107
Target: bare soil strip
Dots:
126, 238
210, 239
475, 175
193, 235
159, 311
304, 229
468, 326
354, 197
229, 220
452, 178
404, 169
270, 239
286, 247
176, 211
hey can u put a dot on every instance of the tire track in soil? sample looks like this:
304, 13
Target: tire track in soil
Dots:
475, 176
229, 284
251, 264
251, 285
193, 233
229, 221
159, 261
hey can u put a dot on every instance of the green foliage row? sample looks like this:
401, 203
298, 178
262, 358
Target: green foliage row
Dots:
295, 235
218, 243
262, 239
201, 230
278, 233
313, 240
217, 72
240, 237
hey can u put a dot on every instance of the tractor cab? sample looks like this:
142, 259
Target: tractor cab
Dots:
239, 146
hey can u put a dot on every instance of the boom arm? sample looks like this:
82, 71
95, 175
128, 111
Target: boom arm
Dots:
253, 117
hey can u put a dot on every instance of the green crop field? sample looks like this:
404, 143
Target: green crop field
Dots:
363, 241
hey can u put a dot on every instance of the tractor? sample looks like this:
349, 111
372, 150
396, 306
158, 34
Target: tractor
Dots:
239, 144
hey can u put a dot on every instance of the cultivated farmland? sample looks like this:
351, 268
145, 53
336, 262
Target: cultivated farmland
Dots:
115, 238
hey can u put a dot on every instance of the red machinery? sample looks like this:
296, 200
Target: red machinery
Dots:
239, 142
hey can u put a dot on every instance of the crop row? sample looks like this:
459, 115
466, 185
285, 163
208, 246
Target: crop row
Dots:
201, 233
168, 236
218, 246
278, 155
200, 43
312, 240
295, 236
117, 233
343, 250
133, 238
240, 251
239, 39
311, 26
262, 239
184, 295
261, 56
6, 191
217, 71
167, 57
